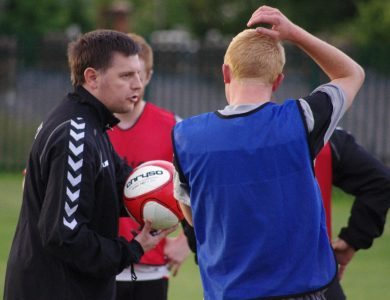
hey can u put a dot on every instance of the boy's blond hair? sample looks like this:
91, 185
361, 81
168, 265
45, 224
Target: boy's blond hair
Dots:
254, 55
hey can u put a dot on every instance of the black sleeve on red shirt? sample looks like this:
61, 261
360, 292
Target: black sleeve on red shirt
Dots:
358, 173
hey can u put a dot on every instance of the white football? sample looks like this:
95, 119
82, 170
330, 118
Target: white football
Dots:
148, 195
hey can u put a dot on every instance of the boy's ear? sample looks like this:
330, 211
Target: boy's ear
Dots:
277, 82
227, 75
148, 77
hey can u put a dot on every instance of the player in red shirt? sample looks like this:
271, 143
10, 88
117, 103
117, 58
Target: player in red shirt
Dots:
142, 135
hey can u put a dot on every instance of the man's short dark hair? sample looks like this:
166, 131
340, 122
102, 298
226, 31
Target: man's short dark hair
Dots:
95, 50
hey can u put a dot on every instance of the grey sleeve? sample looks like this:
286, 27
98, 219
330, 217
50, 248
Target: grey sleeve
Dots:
181, 190
322, 111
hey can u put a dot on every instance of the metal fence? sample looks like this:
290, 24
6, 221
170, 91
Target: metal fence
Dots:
187, 81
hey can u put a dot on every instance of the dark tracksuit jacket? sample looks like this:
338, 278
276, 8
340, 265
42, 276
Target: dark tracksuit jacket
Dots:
66, 244
360, 174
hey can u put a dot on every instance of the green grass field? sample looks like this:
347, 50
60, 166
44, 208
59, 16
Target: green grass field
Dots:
366, 278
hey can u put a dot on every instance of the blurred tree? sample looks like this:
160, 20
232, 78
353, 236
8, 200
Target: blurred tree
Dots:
229, 16
370, 32
80, 13
37, 17
365, 23
160, 14
30, 20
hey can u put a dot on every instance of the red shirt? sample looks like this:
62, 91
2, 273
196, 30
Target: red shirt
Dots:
148, 139
323, 170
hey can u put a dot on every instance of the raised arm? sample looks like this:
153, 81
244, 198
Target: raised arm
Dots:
339, 67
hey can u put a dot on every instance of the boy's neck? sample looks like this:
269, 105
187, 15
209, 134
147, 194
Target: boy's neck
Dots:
127, 120
248, 92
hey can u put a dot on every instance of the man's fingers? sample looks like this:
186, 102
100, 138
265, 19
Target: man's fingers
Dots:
339, 245
264, 16
341, 272
169, 230
147, 226
271, 33
173, 268
264, 8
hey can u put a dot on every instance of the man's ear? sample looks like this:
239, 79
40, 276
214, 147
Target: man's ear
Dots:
277, 82
91, 77
227, 75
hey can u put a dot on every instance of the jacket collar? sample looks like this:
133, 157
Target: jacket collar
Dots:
106, 119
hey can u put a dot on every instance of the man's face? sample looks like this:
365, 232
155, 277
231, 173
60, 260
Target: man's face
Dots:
119, 87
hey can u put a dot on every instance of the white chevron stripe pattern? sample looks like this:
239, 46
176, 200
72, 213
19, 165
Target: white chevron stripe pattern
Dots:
70, 210
72, 196
77, 125
75, 166
74, 176
71, 225
74, 180
76, 136
76, 150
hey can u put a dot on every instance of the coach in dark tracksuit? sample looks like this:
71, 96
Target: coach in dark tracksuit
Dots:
66, 244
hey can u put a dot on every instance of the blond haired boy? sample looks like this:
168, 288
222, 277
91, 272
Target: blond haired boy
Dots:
244, 174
